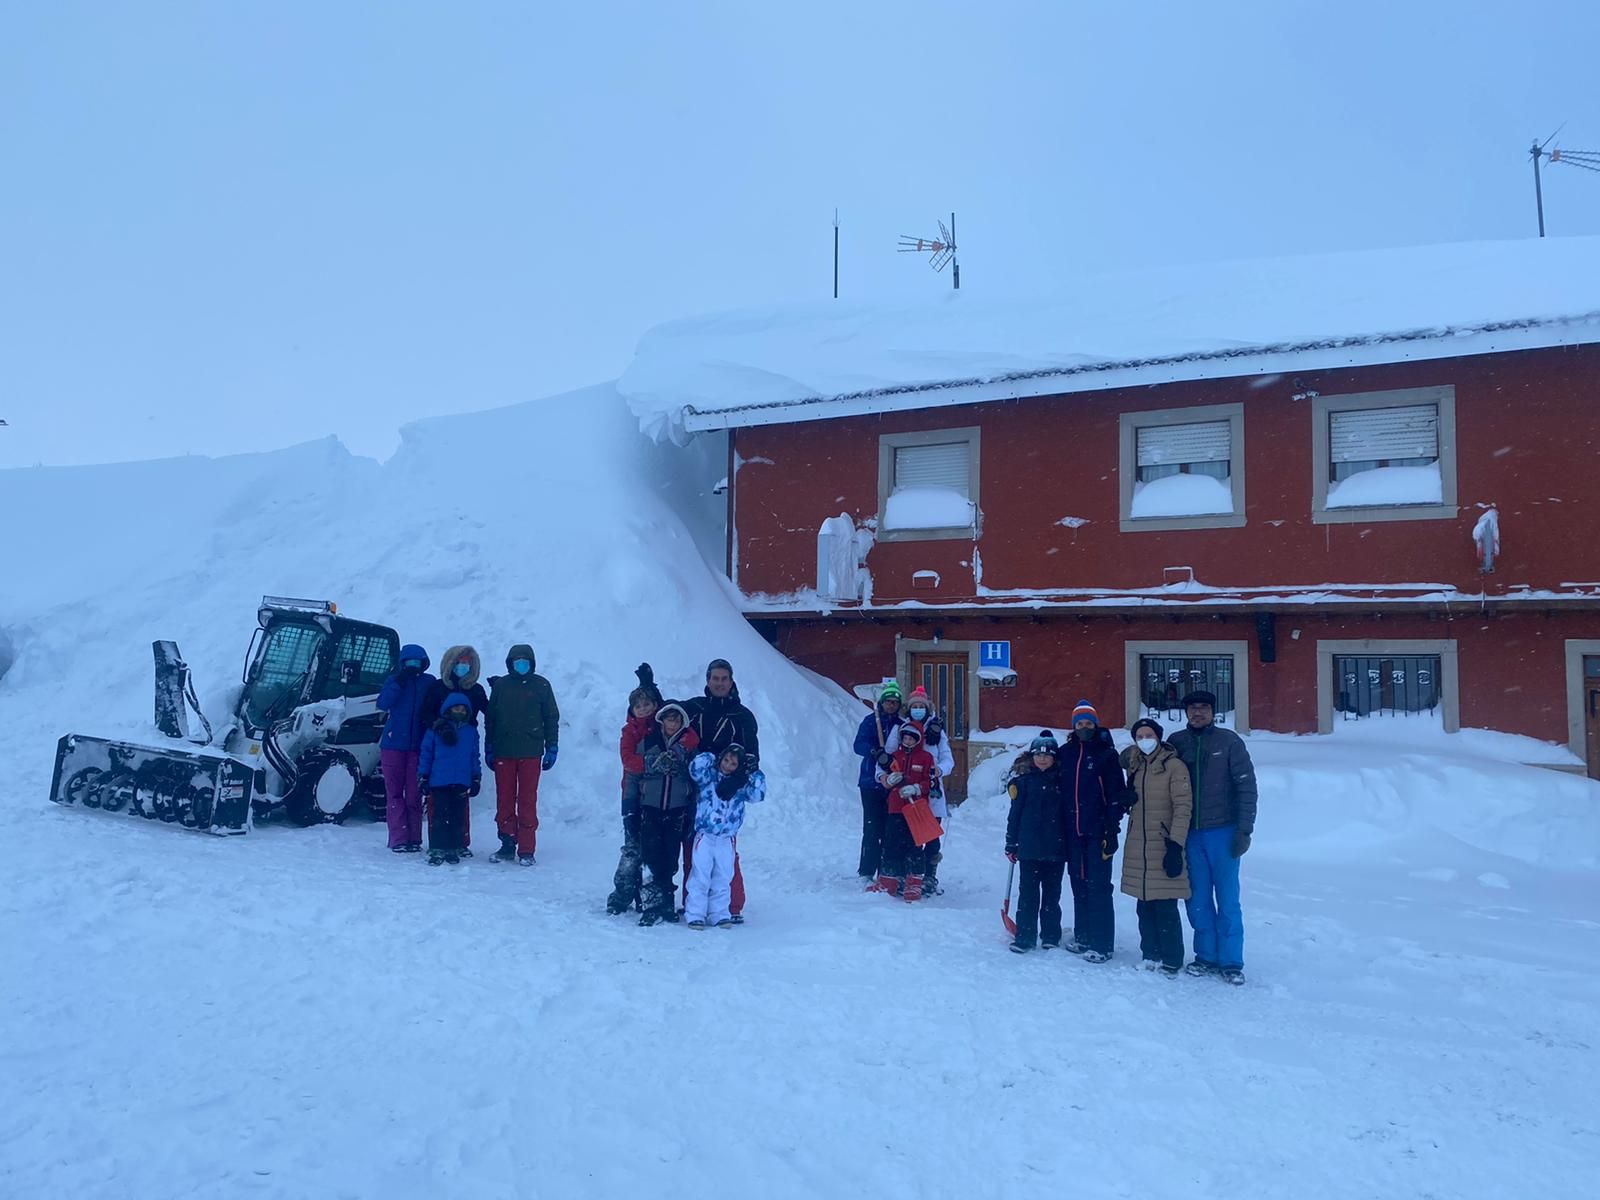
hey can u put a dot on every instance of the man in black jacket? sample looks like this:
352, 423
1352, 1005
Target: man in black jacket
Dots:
1224, 781
720, 719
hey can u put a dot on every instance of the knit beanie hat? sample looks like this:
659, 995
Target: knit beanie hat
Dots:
918, 693
1084, 712
1148, 723
1045, 743
891, 691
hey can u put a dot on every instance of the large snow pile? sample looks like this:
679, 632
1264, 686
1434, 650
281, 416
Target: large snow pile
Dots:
793, 353
300, 1013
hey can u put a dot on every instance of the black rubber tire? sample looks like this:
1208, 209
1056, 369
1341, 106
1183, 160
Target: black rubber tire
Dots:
318, 769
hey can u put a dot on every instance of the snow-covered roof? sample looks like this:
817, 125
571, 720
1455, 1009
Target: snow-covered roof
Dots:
803, 362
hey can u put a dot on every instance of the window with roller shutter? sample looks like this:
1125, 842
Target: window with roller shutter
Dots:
928, 485
1384, 456
1182, 468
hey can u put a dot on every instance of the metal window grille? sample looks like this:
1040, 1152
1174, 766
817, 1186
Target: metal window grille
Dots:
1386, 685
1168, 679
945, 465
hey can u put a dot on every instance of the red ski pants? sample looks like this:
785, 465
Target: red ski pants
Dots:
516, 801
736, 888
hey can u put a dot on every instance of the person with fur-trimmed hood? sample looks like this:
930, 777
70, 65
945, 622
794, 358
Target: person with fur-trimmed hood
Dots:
727, 781
458, 672
920, 711
667, 808
1036, 840
1152, 857
1097, 796
522, 732
875, 743
908, 777
448, 774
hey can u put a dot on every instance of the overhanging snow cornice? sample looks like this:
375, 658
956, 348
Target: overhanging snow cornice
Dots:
1421, 345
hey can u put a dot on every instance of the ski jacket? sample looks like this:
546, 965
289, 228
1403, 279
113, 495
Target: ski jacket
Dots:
1036, 826
1162, 805
714, 814
523, 720
433, 699
944, 759
1221, 775
401, 697
916, 768
665, 783
878, 732
449, 755
719, 723
634, 732
1092, 779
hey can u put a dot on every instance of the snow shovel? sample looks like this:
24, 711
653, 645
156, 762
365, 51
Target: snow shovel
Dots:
1005, 909
923, 824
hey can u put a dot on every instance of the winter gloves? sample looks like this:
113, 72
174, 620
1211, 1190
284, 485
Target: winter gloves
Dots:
1109, 843
1011, 854
884, 759
1172, 860
911, 791
893, 779
728, 786
549, 759
1241, 843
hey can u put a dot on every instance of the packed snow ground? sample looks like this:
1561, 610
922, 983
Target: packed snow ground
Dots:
300, 1013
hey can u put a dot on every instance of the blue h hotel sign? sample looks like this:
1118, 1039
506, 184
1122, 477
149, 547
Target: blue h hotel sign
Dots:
994, 654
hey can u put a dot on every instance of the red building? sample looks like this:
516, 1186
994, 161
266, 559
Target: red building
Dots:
1394, 517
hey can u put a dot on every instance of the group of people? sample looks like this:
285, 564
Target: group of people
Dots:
905, 759
431, 757
1190, 802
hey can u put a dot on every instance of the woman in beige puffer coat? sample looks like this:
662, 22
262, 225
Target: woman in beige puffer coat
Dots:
1153, 869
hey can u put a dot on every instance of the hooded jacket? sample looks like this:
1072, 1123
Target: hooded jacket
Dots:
1161, 810
449, 756
402, 697
713, 814
877, 732
916, 768
720, 723
1037, 823
433, 700
666, 783
523, 719
1091, 778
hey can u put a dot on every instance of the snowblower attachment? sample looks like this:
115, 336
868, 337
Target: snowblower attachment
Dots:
199, 789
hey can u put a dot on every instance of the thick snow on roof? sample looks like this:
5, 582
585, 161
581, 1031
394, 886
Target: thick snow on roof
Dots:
826, 359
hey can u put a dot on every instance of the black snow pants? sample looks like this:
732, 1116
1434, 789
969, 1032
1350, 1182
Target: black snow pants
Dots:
1161, 932
1093, 917
1039, 903
447, 819
661, 835
625, 883
901, 855
874, 808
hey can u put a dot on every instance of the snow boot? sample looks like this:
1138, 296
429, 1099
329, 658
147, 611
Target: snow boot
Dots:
1096, 956
737, 918
1233, 975
524, 860
435, 857
508, 849
887, 884
398, 849
650, 917
1075, 947
1170, 972
414, 848
1200, 968
913, 889
465, 852
1019, 948
725, 923
697, 924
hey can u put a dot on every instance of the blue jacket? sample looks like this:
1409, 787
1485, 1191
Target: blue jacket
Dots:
868, 742
450, 764
1092, 784
402, 699
713, 814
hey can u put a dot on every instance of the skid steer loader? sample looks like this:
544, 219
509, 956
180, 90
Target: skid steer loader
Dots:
302, 740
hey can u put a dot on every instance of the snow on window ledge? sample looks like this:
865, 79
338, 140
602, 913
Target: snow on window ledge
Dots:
1182, 496
1383, 486
927, 508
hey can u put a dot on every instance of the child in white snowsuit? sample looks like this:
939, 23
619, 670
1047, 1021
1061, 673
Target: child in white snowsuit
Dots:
727, 783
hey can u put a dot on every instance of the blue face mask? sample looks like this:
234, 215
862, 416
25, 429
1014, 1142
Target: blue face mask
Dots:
522, 666
414, 663
461, 670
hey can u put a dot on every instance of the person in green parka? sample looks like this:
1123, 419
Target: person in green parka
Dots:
523, 727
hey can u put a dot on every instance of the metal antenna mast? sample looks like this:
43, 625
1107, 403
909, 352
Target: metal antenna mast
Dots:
1589, 160
942, 250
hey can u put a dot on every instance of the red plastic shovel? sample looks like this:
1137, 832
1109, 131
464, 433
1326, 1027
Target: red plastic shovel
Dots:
923, 824
1005, 909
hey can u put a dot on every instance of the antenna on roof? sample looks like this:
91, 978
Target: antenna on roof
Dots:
836, 254
1589, 160
942, 250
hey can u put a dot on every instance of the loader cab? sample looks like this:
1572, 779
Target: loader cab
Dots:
303, 652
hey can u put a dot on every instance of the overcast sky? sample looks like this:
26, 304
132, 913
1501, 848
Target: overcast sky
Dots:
229, 226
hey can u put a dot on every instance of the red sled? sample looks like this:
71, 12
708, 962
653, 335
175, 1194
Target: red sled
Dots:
923, 824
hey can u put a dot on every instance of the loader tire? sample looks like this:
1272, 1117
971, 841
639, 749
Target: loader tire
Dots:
327, 788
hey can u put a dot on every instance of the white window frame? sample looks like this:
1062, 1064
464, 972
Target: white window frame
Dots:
1132, 652
1322, 410
888, 443
1449, 672
1129, 424
1577, 740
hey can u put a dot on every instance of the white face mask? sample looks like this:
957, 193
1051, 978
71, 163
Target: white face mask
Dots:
1147, 745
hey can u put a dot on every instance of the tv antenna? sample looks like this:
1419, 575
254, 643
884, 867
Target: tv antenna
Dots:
1589, 160
941, 250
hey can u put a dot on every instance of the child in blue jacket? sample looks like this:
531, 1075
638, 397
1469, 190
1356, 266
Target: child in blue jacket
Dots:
449, 771
727, 782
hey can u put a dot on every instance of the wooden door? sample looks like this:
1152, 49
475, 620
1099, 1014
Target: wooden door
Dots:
946, 679
1591, 712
